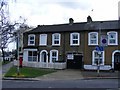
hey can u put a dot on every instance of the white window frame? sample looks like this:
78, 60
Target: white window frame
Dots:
31, 40
52, 56
89, 38
53, 39
116, 38
93, 57
33, 56
71, 39
45, 42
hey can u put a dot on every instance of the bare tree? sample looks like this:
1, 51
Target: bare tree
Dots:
7, 28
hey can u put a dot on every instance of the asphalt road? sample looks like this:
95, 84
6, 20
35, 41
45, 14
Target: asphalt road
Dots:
94, 83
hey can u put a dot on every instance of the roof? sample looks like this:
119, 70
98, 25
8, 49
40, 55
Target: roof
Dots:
94, 25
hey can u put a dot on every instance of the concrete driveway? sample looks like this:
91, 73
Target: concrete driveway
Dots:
67, 74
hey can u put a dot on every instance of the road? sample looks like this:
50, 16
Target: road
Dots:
94, 83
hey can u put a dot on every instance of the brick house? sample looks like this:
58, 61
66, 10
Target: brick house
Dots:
72, 45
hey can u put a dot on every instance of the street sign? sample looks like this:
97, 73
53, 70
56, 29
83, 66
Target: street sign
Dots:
103, 40
99, 48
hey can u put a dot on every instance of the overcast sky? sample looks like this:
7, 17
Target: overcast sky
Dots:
47, 12
59, 11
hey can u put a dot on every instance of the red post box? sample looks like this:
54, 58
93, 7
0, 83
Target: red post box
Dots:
20, 62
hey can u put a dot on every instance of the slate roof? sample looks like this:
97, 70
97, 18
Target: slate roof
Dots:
94, 25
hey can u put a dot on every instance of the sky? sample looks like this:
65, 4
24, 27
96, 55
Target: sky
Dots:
48, 12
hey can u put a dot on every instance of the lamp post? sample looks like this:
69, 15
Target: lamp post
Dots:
99, 53
18, 70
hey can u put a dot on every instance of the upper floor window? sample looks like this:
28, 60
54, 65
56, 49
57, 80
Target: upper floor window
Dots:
31, 39
95, 57
43, 39
56, 39
53, 55
112, 38
74, 39
93, 38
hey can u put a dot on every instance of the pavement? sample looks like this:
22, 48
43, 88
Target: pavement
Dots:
67, 74
6, 67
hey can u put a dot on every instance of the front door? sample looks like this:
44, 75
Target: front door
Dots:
43, 58
117, 61
75, 63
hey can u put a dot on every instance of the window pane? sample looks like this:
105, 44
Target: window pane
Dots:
93, 41
96, 54
34, 58
56, 36
75, 41
29, 58
112, 41
112, 35
54, 59
75, 36
54, 54
31, 42
56, 42
29, 53
34, 53
31, 37
93, 36
96, 61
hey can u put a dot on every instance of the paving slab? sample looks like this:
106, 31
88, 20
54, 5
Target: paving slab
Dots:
6, 67
67, 74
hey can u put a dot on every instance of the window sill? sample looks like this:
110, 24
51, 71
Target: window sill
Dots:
31, 45
56, 45
92, 44
43, 45
112, 44
74, 45
96, 64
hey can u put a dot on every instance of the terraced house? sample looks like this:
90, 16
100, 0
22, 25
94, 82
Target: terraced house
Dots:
72, 45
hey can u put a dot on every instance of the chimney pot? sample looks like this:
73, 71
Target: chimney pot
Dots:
71, 21
89, 19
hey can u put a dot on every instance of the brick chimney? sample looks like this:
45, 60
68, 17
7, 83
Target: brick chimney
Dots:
71, 21
89, 19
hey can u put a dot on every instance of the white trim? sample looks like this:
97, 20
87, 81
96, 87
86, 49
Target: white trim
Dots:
94, 67
46, 55
30, 49
89, 39
32, 40
54, 40
25, 54
71, 39
93, 57
113, 57
45, 42
115, 37
51, 55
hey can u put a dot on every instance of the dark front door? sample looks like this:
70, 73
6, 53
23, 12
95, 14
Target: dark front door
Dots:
117, 61
76, 63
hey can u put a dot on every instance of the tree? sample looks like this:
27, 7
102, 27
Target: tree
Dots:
7, 28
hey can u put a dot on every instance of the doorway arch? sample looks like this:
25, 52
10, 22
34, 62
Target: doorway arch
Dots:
44, 56
115, 56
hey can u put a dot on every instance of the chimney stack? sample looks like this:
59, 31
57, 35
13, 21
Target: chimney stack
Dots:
89, 19
71, 21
